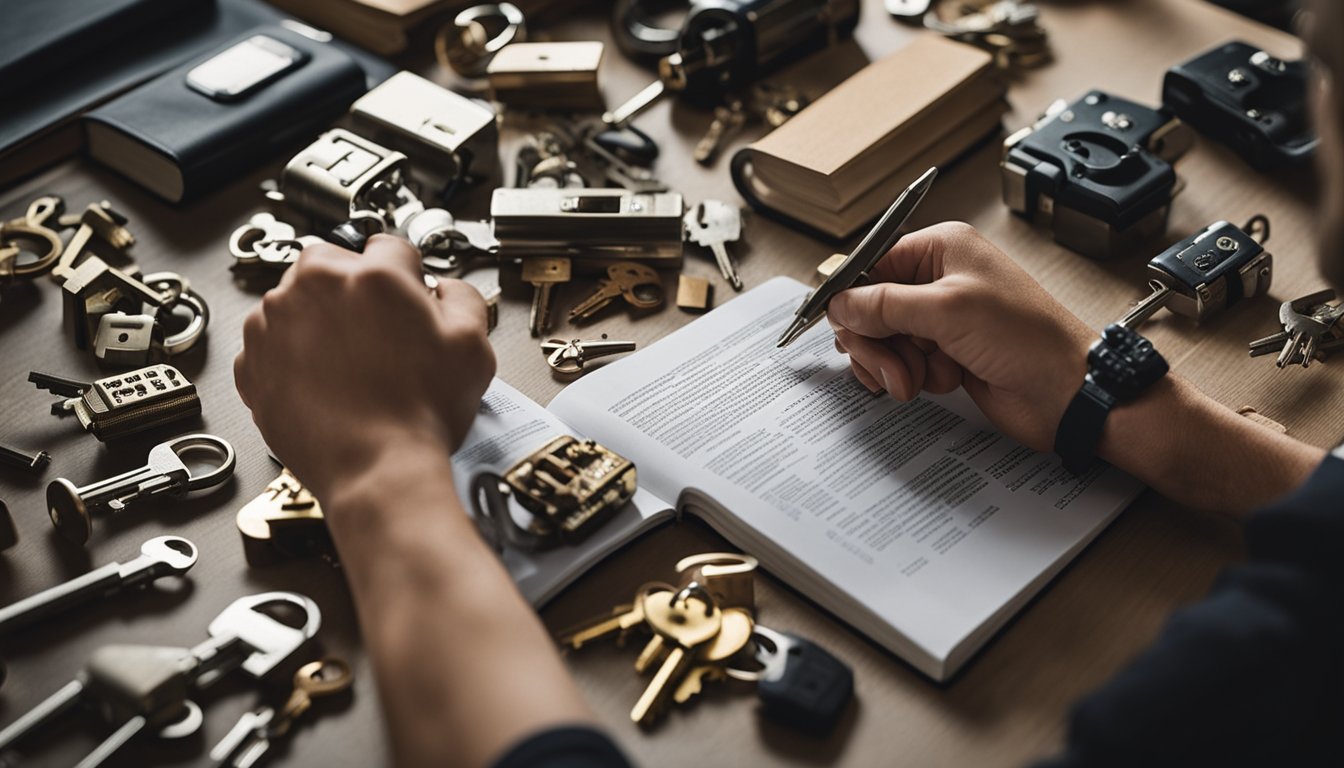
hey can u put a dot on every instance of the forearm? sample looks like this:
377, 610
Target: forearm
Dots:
464, 667
1193, 450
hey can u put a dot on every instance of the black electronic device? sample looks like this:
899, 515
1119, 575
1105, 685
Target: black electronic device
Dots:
1246, 98
1120, 366
1098, 171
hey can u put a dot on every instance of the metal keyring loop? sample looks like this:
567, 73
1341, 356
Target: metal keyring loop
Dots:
637, 35
695, 589
453, 51
186, 338
23, 231
205, 443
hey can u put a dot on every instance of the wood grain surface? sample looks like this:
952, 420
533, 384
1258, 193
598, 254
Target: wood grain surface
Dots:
1007, 707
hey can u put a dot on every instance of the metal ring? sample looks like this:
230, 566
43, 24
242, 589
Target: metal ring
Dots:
695, 589
205, 443
635, 33
24, 231
186, 338
187, 725
450, 44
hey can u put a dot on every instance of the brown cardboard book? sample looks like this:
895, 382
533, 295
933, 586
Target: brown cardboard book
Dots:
886, 115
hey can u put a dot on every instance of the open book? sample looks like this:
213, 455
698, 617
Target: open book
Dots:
916, 523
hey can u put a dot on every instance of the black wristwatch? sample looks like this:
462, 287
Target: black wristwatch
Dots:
1120, 366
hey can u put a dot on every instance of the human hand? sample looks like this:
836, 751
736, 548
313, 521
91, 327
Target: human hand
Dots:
948, 309
350, 357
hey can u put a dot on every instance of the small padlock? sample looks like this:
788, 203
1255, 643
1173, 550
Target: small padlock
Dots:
801, 685
728, 576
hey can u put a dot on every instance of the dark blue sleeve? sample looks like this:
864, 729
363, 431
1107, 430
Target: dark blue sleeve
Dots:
566, 747
1252, 675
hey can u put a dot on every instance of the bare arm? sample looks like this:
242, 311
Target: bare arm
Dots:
951, 310
363, 384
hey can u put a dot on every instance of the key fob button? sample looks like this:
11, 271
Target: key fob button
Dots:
812, 691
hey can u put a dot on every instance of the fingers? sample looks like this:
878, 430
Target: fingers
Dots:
394, 251
897, 364
458, 298
865, 378
888, 309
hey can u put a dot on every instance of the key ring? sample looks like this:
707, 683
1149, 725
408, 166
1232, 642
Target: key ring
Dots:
19, 230
695, 589
464, 46
202, 443
179, 294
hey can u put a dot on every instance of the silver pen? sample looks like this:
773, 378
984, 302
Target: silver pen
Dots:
855, 268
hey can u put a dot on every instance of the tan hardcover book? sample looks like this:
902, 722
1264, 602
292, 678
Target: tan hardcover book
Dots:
888, 113
895, 175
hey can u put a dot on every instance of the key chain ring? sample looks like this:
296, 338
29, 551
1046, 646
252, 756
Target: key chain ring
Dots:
187, 725
24, 232
695, 589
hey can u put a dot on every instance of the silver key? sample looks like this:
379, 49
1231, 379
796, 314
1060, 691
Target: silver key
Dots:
1303, 330
166, 473
160, 556
711, 224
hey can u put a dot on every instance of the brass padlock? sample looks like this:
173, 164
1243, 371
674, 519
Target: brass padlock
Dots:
284, 522
571, 487
729, 577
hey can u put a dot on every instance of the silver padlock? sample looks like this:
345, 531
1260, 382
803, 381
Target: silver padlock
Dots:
126, 340
336, 177
448, 138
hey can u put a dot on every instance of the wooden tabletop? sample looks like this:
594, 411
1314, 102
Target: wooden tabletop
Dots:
1007, 707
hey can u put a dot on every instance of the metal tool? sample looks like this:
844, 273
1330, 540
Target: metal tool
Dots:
638, 284
712, 224
34, 462
99, 223
138, 686
570, 357
863, 258
592, 226
125, 404
94, 289
249, 740
165, 474
160, 556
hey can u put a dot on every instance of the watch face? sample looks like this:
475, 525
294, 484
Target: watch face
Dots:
1125, 363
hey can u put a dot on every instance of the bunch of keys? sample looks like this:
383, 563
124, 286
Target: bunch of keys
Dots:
125, 404
638, 284
570, 487
1208, 272
712, 224
285, 521
1008, 29
703, 630
1311, 330
250, 739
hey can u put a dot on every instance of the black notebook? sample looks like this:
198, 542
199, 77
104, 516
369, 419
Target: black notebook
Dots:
203, 123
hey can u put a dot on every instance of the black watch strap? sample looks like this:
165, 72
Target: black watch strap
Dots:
1080, 430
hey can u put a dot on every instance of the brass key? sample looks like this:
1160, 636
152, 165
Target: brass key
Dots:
251, 737
686, 622
544, 273
733, 637
638, 284
621, 620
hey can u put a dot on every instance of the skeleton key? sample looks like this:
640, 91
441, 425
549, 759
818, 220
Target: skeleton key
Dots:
686, 621
543, 272
165, 473
250, 738
159, 557
728, 120
638, 284
711, 224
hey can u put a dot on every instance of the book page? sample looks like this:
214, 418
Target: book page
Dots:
920, 511
507, 428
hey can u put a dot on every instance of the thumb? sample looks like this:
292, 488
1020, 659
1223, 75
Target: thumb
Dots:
887, 309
